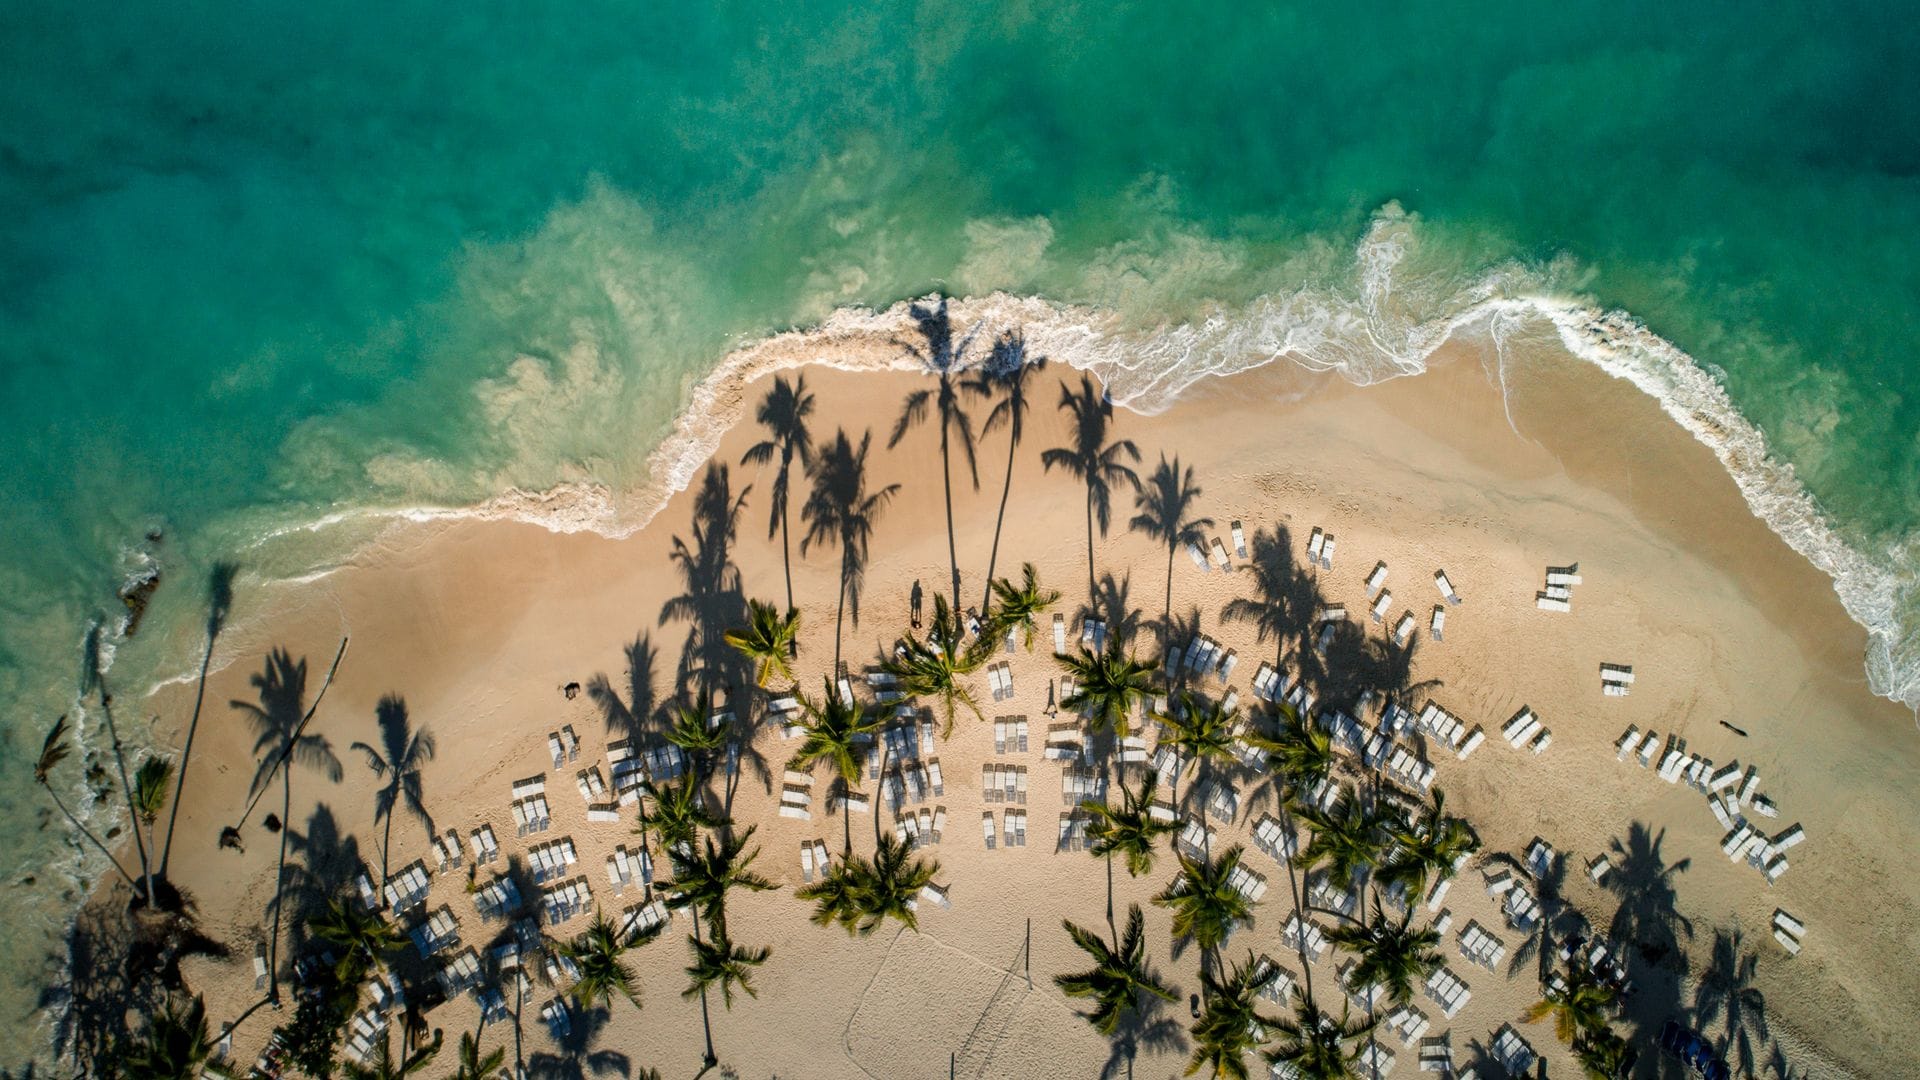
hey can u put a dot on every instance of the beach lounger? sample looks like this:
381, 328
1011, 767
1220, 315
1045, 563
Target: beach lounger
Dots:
1749, 784
986, 828
1446, 587
1541, 741
1199, 557
1326, 553
1059, 633
370, 899
1563, 575
806, 861
1376, 577
1226, 667
1314, 543
260, 965
1404, 628
1513, 1051
1239, 540
1448, 991
1549, 603
557, 748
1220, 554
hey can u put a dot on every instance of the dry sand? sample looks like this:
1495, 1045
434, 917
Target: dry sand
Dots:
480, 624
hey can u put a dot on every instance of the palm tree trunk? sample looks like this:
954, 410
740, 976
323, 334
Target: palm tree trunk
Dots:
946, 481
386, 845
840, 611
1299, 898
1111, 928
1013, 444
280, 884
846, 816
186, 755
126, 785
1093, 592
706, 1021
1166, 617
88, 833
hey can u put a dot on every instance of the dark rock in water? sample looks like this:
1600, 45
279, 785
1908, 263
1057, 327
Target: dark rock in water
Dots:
113, 832
29, 880
154, 536
135, 596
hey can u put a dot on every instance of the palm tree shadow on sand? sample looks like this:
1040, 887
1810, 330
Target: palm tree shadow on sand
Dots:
633, 716
940, 354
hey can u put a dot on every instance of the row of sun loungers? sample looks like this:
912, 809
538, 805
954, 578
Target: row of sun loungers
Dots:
1526, 730
1196, 837
592, 785
1274, 839
1481, 947
1013, 829
529, 807
628, 867
813, 853
556, 1016
1276, 982
1073, 831
1000, 680
1010, 735
551, 859
1305, 936
641, 918
922, 828
1513, 1051
366, 1030
460, 972
1093, 635
1448, 991
1443, 725
1788, 931
1247, 883
1558, 595
1615, 679
446, 851
1323, 894
485, 847
438, 931
408, 888
498, 898
796, 795
1080, 782
1004, 783
565, 900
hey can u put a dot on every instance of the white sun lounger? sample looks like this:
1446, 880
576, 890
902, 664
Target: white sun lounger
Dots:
260, 965
1059, 633
1199, 557
1375, 578
1380, 606
1403, 629
1626, 743
1314, 543
1548, 603
1563, 575
986, 828
1446, 587
1220, 554
1326, 553
1239, 540
557, 748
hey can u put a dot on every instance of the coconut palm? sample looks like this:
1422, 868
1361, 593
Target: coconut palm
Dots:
936, 666
1603, 1054
1726, 990
219, 605
1345, 842
783, 412
1205, 905
945, 358
1166, 503
473, 1065
382, 1065
1201, 732
364, 939
693, 730
719, 962
1577, 1001
1120, 981
676, 813
1020, 605
1006, 371
769, 640
150, 782
1314, 1044
598, 952
399, 763
833, 729
1107, 686
1231, 1026
1128, 830
1300, 753
1429, 849
703, 878
176, 1044
1092, 460
861, 894
54, 750
279, 722
1389, 955
94, 679
841, 510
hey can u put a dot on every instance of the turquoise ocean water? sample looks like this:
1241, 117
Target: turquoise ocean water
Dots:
266, 262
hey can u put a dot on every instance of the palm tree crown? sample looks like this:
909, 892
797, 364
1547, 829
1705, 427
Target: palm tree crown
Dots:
860, 894
1007, 368
1107, 686
1314, 1044
1345, 842
150, 782
767, 640
1120, 976
935, 667
1129, 829
833, 730
703, 878
473, 1065
1578, 1001
1206, 907
176, 1044
1021, 605
719, 962
1429, 848
1231, 1027
678, 812
1390, 955
598, 953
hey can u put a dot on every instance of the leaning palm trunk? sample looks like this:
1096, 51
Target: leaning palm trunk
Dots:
126, 785
993, 555
186, 755
88, 833
946, 481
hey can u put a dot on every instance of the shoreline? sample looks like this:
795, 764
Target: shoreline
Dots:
517, 563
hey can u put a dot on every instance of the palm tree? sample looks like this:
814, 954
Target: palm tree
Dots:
783, 412
702, 879
1201, 732
219, 604
1020, 605
1603, 1054
53, 751
936, 666
365, 939
94, 678
1107, 686
945, 358
833, 729
719, 962
1390, 956
1129, 830
597, 952
473, 1064
1006, 369
382, 1065
1092, 460
405, 756
1165, 502
860, 895
693, 730
1429, 849
1231, 1026
1120, 978
678, 811
1344, 842
281, 738
841, 510
175, 1046
1726, 989
1300, 753
1205, 905
150, 782
769, 639
1314, 1044
1577, 1001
